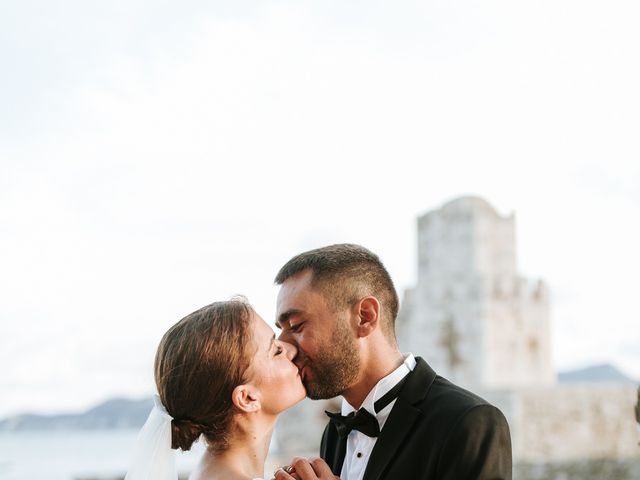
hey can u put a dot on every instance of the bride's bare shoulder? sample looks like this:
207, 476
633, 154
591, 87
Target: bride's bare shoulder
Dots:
209, 474
221, 477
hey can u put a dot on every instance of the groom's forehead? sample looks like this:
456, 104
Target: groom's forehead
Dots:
300, 294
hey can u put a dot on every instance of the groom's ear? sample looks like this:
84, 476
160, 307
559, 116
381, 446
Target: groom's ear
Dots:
245, 398
368, 316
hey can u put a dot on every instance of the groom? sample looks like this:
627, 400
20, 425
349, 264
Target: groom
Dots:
399, 419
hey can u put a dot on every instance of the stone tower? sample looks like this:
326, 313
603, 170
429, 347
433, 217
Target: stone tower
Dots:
470, 315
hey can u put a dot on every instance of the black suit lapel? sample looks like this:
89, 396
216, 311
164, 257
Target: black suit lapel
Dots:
402, 417
332, 449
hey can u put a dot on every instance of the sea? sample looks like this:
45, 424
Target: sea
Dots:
74, 455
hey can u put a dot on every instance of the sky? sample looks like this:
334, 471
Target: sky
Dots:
156, 157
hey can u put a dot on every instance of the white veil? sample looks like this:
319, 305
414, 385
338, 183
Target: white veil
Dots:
153, 458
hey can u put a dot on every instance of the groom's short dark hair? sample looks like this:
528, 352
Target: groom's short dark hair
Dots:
346, 272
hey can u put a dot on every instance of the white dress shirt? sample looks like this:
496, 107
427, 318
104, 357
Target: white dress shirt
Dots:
359, 445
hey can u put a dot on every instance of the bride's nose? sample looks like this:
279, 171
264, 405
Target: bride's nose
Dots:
290, 350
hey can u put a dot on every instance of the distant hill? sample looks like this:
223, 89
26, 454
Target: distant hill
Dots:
604, 373
117, 413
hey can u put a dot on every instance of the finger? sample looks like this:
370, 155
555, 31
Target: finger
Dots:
287, 468
304, 469
320, 467
280, 474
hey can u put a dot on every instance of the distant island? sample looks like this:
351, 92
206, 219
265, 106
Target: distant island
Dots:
122, 413
604, 373
116, 413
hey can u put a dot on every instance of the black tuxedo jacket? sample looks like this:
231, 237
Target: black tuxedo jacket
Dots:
435, 431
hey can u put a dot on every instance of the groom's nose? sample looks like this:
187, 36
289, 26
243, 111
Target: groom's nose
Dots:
285, 337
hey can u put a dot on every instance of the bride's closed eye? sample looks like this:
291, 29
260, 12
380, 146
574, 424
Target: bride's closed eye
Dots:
279, 350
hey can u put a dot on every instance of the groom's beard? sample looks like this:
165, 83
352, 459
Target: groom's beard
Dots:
335, 368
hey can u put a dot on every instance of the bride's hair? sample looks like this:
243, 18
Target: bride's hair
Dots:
199, 362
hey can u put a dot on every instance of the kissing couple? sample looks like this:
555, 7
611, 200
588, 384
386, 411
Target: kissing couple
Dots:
223, 375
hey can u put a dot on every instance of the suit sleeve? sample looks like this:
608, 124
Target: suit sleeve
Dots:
478, 447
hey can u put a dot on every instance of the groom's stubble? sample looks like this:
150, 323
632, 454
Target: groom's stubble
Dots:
335, 368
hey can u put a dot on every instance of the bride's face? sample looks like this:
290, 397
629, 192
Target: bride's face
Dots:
273, 371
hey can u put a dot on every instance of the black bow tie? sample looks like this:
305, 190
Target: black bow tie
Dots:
363, 420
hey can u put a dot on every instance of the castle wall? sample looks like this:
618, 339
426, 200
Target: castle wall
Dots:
569, 423
518, 349
444, 330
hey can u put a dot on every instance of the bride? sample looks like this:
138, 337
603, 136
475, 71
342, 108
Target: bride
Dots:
221, 374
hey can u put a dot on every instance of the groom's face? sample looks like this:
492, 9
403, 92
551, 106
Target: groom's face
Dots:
328, 356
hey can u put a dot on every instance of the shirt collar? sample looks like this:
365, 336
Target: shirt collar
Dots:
383, 386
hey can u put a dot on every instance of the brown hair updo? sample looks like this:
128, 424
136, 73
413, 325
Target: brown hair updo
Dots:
199, 362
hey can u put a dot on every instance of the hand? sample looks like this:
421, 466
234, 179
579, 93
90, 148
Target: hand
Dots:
306, 469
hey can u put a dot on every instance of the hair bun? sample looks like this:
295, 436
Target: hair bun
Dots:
184, 433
